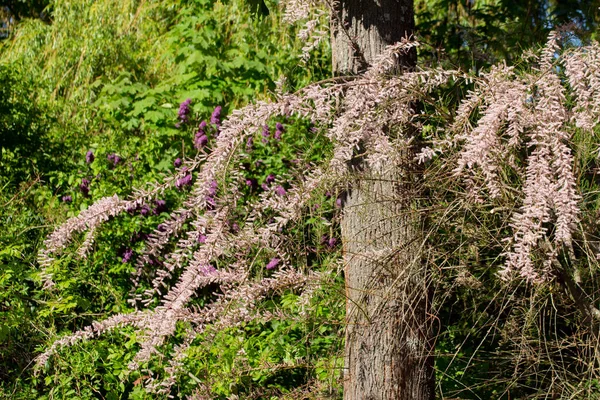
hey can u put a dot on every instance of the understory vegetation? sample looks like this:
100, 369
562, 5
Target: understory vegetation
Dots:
135, 98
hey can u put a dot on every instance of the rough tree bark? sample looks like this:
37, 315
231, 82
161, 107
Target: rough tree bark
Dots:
388, 347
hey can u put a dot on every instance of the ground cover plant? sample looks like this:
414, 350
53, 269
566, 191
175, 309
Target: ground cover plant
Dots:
191, 243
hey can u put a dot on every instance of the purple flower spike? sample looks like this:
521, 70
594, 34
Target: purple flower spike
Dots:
185, 181
202, 126
215, 118
279, 190
324, 239
114, 158
270, 179
200, 141
210, 203
184, 112
272, 264
212, 190
89, 157
161, 206
131, 209
279, 129
145, 211
251, 183
177, 162
67, 199
338, 202
84, 186
127, 255
332, 242
265, 131
202, 238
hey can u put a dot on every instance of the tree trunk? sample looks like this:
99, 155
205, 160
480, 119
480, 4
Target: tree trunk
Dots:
388, 337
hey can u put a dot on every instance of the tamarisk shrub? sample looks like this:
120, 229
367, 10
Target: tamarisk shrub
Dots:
509, 141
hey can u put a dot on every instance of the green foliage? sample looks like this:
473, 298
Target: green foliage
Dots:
25, 149
272, 359
108, 77
475, 34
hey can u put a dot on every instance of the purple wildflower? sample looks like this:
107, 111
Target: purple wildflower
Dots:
161, 206
324, 239
84, 186
338, 202
177, 162
251, 183
127, 254
210, 203
131, 208
200, 141
215, 118
89, 157
280, 191
270, 179
114, 158
272, 264
145, 210
184, 112
67, 199
201, 238
212, 190
279, 129
330, 242
185, 181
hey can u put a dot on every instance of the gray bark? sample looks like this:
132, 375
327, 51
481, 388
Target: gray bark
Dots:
388, 353
363, 28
